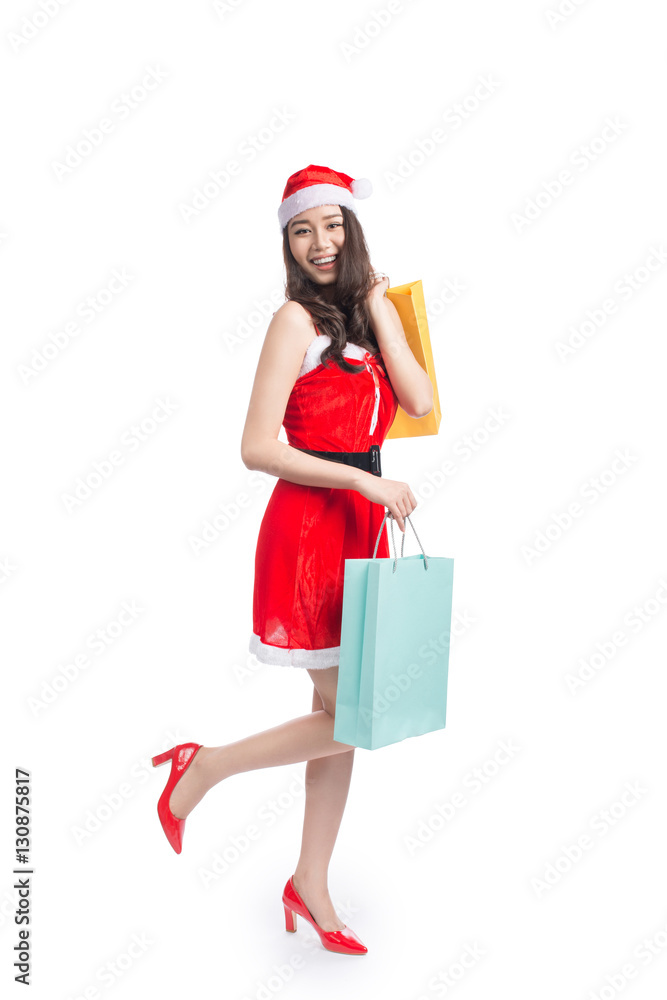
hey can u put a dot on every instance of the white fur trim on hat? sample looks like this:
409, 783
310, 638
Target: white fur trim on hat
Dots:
312, 197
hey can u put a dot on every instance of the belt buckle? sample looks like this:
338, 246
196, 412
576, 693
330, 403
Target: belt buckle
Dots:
376, 468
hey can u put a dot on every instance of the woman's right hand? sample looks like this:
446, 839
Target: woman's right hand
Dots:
397, 496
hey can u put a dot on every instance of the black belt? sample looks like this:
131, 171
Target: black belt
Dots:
369, 460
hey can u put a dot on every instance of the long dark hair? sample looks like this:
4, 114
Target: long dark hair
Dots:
339, 310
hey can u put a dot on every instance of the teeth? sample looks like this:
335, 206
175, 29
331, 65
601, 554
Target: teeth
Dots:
324, 260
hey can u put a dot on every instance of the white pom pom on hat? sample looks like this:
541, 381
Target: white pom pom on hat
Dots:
362, 188
315, 185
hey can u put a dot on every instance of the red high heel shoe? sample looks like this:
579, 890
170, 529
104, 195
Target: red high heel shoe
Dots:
344, 941
181, 757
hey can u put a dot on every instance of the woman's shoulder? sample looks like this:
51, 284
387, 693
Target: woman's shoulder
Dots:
291, 328
294, 312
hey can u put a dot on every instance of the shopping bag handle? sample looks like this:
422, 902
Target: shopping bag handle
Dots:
388, 514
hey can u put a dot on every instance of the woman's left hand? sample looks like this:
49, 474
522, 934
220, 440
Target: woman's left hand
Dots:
379, 287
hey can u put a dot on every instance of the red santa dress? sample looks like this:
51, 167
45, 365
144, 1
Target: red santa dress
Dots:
308, 532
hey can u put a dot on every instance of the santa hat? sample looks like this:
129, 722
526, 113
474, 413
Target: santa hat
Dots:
314, 186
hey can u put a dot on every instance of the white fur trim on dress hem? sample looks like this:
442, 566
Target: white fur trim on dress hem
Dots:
313, 659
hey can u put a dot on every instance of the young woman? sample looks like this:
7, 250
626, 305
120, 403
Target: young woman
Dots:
333, 369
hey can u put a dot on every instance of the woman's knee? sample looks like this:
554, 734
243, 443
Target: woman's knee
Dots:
317, 701
325, 682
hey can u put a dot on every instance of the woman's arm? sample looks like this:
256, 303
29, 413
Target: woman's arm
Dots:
288, 335
410, 382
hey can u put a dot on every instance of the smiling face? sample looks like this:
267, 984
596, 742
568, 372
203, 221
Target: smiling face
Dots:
316, 235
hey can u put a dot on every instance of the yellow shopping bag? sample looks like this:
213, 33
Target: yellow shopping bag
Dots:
409, 302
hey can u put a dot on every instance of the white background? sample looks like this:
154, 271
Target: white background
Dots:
493, 880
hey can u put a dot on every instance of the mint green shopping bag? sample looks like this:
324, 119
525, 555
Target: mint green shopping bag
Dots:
394, 648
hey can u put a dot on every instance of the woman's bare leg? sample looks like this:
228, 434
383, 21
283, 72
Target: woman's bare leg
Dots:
327, 786
304, 738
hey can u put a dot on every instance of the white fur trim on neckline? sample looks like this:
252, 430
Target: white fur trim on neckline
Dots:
313, 355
